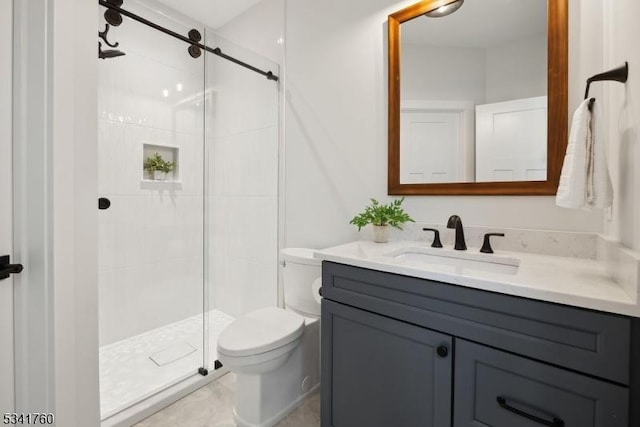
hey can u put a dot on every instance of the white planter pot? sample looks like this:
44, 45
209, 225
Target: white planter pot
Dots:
381, 233
159, 175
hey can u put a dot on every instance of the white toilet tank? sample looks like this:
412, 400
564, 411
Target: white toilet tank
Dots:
301, 275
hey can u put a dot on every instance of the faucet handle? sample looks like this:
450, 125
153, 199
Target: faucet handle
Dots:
436, 237
486, 245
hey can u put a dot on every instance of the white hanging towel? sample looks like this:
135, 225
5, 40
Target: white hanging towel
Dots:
584, 181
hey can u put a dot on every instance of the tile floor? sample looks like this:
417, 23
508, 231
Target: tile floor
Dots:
212, 405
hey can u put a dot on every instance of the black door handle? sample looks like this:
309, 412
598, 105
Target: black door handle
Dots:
555, 422
7, 269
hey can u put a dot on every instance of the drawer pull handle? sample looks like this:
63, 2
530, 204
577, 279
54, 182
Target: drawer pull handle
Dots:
556, 422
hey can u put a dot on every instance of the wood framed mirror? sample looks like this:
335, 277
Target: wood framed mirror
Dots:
500, 139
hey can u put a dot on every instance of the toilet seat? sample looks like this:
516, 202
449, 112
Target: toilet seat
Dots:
260, 331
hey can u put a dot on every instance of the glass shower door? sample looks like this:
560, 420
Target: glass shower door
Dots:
242, 186
151, 171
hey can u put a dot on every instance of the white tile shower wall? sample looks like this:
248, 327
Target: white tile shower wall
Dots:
151, 238
243, 165
336, 131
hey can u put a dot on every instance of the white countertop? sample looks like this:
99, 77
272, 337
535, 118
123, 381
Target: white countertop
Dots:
571, 281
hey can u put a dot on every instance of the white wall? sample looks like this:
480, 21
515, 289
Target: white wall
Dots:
73, 79
605, 33
443, 73
517, 70
74, 225
621, 105
514, 70
259, 29
7, 385
336, 131
55, 226
150, 239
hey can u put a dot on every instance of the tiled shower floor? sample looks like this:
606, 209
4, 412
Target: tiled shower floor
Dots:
128, 375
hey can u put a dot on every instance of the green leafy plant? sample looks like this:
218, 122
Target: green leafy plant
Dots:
157, 163
378, 214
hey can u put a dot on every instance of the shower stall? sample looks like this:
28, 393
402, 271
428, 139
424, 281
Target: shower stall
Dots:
188, 197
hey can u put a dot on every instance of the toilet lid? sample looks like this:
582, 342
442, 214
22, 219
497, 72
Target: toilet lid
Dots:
260, 331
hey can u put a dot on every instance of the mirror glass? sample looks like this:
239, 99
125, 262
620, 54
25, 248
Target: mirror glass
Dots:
473, 94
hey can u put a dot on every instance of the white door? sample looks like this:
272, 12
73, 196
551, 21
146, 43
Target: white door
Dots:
6, 208
429, 147
436, 141
511, 140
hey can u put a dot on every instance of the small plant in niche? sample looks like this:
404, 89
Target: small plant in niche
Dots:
382, 217
157, 167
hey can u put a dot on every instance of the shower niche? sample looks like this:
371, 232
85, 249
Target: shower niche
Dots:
160, 163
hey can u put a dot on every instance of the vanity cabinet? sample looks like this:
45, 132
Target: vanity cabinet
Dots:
402, 351
386, 372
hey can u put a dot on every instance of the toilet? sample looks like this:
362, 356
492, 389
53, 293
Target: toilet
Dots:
275, 352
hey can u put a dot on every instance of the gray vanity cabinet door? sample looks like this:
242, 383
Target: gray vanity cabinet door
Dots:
380, 372
498, 389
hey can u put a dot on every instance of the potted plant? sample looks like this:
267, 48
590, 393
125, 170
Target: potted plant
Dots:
382, 217
157, 167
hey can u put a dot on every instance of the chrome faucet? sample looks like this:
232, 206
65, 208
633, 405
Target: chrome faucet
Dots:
456, 222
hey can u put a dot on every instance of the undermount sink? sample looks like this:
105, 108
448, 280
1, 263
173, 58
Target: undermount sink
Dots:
456, 261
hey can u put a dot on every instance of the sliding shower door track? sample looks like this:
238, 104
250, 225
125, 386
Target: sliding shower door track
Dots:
193, 39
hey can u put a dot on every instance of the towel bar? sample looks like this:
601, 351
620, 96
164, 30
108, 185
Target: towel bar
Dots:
619, 74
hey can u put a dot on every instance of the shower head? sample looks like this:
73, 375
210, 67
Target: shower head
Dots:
109, 53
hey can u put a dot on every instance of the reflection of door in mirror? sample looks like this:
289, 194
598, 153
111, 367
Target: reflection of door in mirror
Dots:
477, 61
436, 142
511, 140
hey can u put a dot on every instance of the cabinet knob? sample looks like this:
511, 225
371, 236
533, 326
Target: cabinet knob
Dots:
442, 351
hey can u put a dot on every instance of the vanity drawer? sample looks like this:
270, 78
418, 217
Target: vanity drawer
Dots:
498, 389
583, 340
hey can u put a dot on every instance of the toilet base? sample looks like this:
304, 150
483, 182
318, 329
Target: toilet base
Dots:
240, 422
264, 399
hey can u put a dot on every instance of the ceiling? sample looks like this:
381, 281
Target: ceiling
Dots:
480, 24
212, 13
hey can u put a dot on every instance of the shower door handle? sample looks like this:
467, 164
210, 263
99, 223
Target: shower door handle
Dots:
104, 203
7, 269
